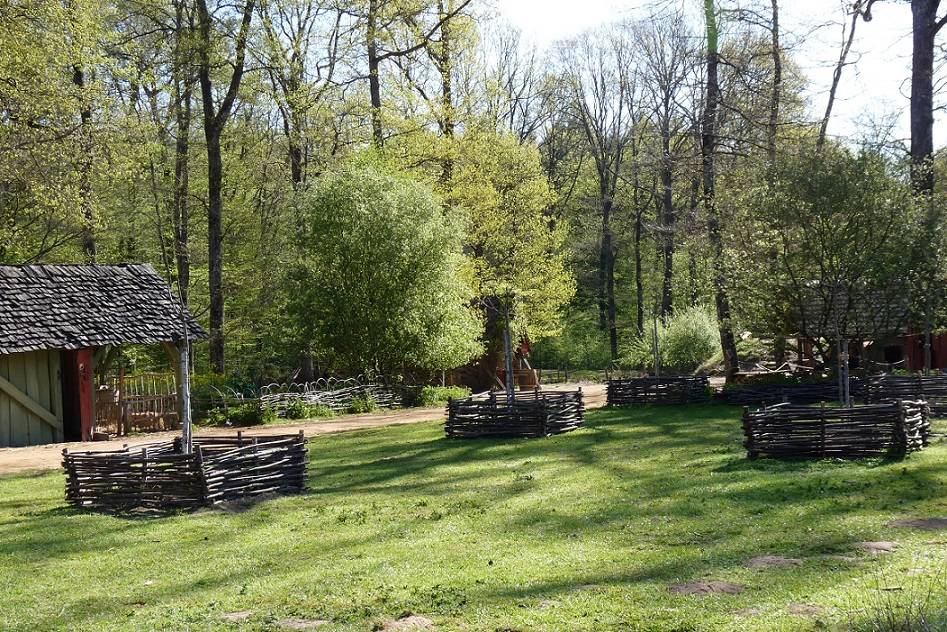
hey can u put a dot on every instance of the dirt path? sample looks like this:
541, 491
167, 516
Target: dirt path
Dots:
48, 457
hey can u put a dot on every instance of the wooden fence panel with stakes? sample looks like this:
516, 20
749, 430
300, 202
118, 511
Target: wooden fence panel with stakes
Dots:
159, 477
788, 431
532, 414
931, 388
672, 389
768, 394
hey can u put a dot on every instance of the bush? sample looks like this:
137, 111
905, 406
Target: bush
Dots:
320, 411
249, 414
298, 409
363, 403
438, 395
686, 341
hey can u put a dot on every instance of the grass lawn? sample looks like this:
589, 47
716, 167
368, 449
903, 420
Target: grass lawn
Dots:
583, 531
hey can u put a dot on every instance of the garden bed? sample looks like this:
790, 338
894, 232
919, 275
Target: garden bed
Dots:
672, 389
160, 477
931, 388
532, 414
876, 430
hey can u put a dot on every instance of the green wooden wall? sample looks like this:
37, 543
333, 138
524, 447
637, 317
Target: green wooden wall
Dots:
35, 374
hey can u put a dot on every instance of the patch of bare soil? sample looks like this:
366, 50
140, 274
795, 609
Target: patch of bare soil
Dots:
877, 548
706, 588
408, 622
772, 561
805, 609
925, 524
301, 624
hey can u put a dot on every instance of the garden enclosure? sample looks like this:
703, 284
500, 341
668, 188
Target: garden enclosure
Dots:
161, 477
673, 389
789, 431
531, 414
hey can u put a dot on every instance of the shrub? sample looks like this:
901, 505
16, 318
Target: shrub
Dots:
687, 340
363, 403
438, 395
320, 411
298, 409
248, 414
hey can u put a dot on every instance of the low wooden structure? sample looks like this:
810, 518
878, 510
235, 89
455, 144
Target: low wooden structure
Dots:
768, 394
787, 431
931, 388
161, 477
336, 395
59, 325
672, 389
532, 414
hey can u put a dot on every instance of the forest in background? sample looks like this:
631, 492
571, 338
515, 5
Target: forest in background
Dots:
264, 155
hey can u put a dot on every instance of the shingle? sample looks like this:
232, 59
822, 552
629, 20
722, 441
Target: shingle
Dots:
78, 306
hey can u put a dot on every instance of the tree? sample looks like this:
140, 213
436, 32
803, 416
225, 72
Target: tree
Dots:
597, 80
215, 120
816, 208
517, 249
708, 154
382, 286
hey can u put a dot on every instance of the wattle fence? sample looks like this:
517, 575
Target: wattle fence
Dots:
159, 477
931, 388
674, 389
789, 431
532, 414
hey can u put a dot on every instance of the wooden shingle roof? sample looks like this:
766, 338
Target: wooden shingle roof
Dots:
79, 306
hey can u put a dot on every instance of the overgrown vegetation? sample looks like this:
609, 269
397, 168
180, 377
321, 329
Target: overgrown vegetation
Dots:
687, 340
438, 395
586, 530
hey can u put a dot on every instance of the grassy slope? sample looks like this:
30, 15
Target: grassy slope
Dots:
587, 528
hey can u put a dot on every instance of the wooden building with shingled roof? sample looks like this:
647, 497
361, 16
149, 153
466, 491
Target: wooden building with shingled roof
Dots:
56, 323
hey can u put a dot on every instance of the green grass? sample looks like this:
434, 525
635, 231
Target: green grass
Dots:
583, 531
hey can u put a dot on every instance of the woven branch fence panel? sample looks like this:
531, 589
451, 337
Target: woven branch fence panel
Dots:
765, 394
787, 431
931, 388
159, 477
532, 414
674, 389
280, 396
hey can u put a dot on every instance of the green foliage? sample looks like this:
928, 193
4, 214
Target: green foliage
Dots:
687, 340
438, 395
298, 409
321, 411
248, 414
582, 344
518, 250
363, 403
837, 228
381, 284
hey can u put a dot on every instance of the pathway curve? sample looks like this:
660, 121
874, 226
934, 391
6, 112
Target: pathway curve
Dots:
47, 457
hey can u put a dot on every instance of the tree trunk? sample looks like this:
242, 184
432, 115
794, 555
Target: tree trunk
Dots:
639, 282
777, 87
708, 152
215, 119
668, 222
85, 167
374, 80
836, 79
215, 255
443, 60
925, 27
183, 84
607, 306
